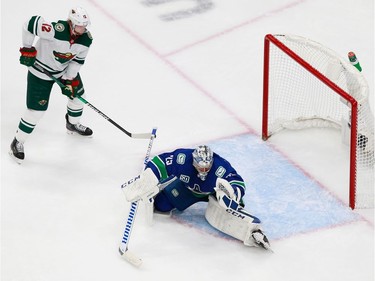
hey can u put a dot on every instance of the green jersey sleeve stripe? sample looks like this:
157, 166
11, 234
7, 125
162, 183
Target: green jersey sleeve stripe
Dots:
238, 183
80, 61
159, 164
36, 26
33, 25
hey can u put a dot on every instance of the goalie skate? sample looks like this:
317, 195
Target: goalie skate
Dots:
261, 240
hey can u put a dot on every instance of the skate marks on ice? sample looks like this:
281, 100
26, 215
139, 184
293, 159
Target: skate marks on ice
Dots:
281, 195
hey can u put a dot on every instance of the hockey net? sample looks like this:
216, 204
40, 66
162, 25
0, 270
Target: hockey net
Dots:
308, 85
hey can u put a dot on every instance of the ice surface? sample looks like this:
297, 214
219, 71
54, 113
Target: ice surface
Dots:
197, 76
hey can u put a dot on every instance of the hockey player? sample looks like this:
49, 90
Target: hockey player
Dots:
61, 49
179, 179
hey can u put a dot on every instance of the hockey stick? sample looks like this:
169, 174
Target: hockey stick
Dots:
132, 135
123, 249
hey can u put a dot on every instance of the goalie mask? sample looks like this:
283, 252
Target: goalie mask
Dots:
202, 160
79, 20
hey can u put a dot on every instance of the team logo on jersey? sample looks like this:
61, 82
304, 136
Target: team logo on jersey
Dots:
42, 102
59, 27
181, 158
197, 190
63, 58
184, 178
220, 172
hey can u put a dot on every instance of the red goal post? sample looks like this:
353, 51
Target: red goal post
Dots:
305, 84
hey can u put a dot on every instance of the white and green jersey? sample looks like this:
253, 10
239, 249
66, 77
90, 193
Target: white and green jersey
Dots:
57, 51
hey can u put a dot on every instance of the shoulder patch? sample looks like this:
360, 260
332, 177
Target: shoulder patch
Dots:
180, 159
184, 178
59, 27
220, 172
89, 34
62, 30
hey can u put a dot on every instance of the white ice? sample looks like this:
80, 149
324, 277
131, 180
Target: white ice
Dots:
199, 80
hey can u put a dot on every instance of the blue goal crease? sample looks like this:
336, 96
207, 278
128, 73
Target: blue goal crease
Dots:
281, 195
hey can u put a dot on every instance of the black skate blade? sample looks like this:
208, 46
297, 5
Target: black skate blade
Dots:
265, 247
72, 133
268, 249
17, 160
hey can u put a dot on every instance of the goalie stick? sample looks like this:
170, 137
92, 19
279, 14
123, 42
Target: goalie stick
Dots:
123, 249
58, 82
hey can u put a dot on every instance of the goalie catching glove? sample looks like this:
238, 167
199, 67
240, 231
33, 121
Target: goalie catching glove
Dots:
227, 195
143, 187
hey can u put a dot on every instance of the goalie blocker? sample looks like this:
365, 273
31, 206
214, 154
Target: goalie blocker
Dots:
223, 210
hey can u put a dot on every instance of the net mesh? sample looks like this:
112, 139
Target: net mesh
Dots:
298, 99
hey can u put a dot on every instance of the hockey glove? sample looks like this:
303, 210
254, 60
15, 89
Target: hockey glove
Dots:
28, 56
227, 195
70, 88
143, 187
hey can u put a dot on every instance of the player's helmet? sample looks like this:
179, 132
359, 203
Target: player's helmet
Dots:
78, 17
202, 160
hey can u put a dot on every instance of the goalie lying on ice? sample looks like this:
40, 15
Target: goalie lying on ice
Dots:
181, 178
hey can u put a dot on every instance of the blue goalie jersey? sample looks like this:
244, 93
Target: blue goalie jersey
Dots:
179, 163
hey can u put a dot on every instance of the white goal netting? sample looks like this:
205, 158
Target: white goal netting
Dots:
309, 85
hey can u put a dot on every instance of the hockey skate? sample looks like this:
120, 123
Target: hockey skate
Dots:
16, 151
261, 240
74, 129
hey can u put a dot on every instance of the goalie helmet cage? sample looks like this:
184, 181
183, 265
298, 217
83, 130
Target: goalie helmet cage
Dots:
307, 85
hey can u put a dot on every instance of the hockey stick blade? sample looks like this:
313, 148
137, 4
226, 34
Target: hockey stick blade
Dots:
131, 258
141, 135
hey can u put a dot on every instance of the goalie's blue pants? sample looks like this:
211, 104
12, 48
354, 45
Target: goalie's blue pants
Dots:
176, 196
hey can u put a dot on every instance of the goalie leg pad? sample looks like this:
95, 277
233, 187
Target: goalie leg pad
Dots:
236, 223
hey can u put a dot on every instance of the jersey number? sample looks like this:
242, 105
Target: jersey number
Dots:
169, 160
46, 27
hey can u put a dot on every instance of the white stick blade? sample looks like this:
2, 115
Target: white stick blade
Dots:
132, 258
141, 135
